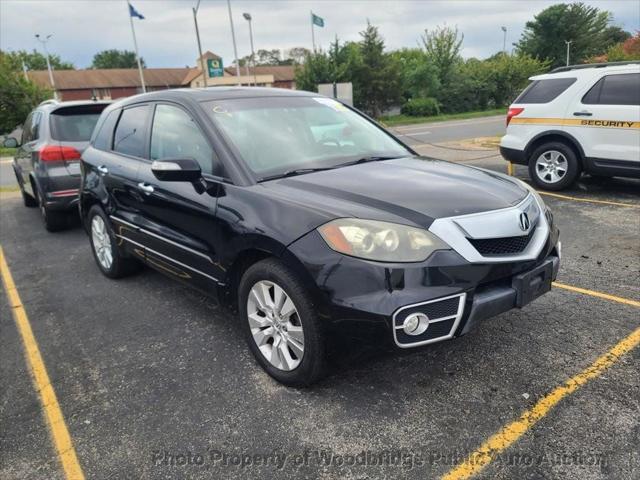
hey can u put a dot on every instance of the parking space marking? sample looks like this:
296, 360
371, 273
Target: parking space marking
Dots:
509, 434
53, 413
594, 293
589, 200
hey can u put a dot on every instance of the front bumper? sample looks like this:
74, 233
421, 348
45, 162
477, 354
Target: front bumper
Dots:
370, 300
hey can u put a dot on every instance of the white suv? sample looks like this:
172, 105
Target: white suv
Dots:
575, 119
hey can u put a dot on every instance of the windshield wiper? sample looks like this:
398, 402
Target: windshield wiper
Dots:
371, 158
294, 172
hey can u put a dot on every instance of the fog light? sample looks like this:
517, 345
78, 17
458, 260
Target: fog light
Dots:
415, 324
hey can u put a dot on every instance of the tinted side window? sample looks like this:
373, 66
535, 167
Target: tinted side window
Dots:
543, 91
26, 129
621, 89
104, 136
35, 125
129, 137
176, 135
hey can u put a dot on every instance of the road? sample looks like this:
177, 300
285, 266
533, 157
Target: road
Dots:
7, 178
150, 374
452, 130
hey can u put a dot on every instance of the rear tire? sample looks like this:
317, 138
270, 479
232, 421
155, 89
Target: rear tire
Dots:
292, 347
104, 244
554, 166
27, 199
53, 221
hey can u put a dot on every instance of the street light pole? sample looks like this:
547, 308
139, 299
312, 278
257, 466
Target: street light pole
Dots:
46, 51
569, 42
504, 41
195, 21
235, 47
248, 18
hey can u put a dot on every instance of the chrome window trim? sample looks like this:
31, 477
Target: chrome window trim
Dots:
169, 258
457, 316
159, 237
451, 231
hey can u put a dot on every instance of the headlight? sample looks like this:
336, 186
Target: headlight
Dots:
380, 241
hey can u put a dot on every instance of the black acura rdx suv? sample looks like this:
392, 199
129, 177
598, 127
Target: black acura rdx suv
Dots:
309, 219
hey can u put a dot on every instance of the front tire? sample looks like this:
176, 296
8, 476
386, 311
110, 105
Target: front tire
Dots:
281, 325
553, 166
104, 245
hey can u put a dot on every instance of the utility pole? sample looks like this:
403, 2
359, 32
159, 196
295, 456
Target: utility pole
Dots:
46, 51
313, 33
235, 47
247, 17
195, 21
568, 42
504, 41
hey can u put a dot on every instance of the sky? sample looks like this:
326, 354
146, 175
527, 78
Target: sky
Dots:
166, 37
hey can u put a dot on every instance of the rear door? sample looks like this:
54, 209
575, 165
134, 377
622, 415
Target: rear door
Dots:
606, 118
114, 162
177, 222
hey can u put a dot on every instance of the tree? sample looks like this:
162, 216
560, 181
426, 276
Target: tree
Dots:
268, 57
442, 47
376, 79
34, 61
585, 26
625, 51
298, 54
116, 59
419, 76
18, 95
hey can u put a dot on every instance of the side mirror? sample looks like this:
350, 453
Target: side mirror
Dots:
10, 142
176, 170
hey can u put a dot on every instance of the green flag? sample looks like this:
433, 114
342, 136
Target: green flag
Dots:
316, 20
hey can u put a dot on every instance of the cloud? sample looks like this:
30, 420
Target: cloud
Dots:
166, 38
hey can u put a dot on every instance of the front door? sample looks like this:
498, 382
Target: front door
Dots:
177, 221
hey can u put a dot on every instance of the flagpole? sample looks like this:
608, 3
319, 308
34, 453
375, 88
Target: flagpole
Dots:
313, 35
135, 45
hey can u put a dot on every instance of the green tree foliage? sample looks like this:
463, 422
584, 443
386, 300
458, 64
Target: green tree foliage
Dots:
442, 47
376, 78
419, 77
586, 26
116, 59
17, 94
35, 60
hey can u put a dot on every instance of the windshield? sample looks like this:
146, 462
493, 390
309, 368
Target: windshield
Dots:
275, 135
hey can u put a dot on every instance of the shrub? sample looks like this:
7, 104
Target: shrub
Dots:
421, 107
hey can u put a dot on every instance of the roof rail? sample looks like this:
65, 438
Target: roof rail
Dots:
51, 101
594, 65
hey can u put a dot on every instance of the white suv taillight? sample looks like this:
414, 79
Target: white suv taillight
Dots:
513, 112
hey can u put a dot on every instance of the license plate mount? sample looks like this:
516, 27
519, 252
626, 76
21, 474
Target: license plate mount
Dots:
533, 283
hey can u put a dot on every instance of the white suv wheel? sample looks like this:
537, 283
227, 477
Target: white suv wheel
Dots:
551, 167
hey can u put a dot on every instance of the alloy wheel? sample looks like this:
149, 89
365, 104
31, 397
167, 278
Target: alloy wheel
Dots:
101, 242
275, 325
551, 166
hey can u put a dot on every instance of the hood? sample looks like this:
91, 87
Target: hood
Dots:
418, 190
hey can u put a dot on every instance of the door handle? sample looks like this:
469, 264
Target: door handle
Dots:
583, 113
103, 170
146, 188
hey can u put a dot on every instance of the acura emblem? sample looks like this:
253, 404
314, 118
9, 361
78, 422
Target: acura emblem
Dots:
524, 222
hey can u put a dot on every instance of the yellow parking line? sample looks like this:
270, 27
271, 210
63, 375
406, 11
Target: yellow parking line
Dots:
508, 435
593, 293
590, 200
42, 384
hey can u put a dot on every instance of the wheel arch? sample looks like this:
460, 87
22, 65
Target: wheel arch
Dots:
555, 136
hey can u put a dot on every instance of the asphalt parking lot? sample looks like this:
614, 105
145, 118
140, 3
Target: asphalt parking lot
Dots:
155, 381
